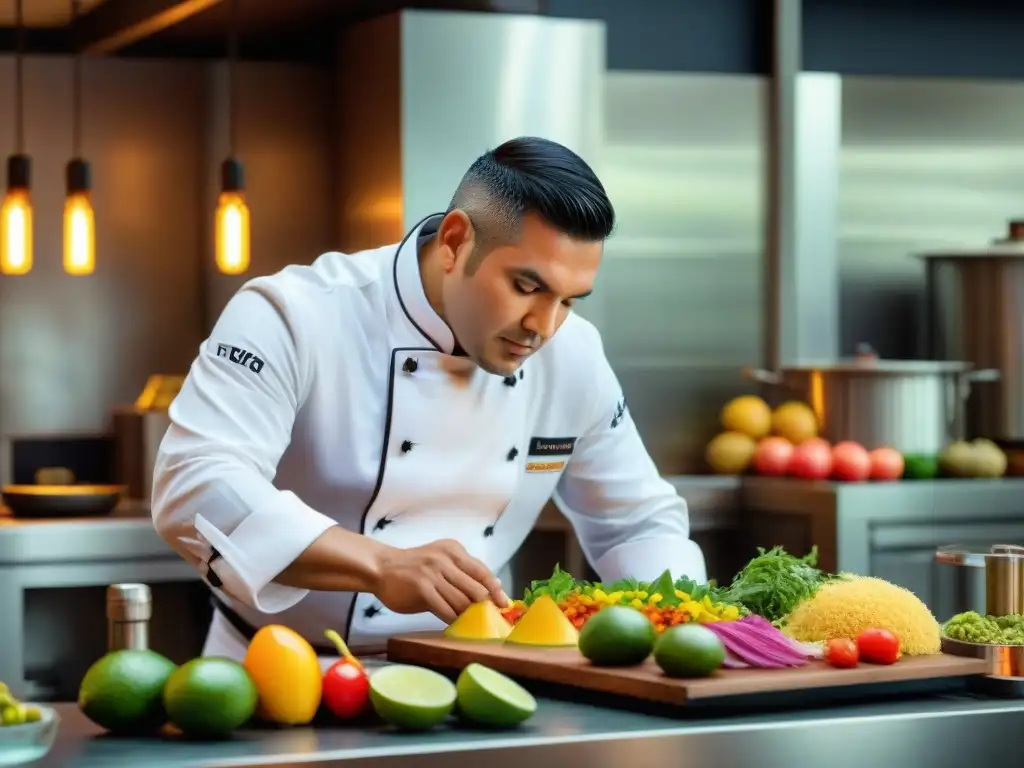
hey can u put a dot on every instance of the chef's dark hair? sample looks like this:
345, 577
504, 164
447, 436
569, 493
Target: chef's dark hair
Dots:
532, 175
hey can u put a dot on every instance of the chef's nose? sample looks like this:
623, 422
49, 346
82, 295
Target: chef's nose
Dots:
542, 321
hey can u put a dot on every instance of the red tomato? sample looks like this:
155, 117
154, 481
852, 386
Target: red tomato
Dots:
812, 460
346, 689
850, 462
878, 646
886, 464
841, 653
772, 456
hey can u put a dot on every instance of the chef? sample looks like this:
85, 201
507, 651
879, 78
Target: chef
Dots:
363, 444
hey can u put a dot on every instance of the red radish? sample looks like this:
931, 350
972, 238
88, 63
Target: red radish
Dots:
850, 462
886, 464
772, 456
812, 460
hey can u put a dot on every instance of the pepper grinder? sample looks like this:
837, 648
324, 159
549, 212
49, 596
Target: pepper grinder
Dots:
129, 609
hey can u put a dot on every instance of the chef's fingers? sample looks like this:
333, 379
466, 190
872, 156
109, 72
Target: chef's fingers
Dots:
474, 591
437, 604
475, 569
482, 575
452, 595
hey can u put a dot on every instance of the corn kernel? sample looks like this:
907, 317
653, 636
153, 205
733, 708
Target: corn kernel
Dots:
655, 599
636, 603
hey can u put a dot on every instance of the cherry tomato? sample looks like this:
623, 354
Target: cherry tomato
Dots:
878, 646
841, 653
346, 689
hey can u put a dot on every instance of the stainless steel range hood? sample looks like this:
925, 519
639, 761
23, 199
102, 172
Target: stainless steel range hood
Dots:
421, 94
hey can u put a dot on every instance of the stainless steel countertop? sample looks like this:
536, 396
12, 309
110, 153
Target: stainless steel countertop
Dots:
925, 500
948, 730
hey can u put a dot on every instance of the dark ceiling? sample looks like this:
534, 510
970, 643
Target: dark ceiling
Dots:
268, 29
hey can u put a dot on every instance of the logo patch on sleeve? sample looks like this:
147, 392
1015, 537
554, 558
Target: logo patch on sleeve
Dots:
620, 413
240, 356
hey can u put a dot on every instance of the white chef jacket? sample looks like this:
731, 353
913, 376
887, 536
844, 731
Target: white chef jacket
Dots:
323, 397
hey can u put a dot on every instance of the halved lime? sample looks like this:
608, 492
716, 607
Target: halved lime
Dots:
490, 698
411, 697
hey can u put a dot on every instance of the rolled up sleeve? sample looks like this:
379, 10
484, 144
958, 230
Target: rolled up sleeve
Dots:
214, 500
631, 522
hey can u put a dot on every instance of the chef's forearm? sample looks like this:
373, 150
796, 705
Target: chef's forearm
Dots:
338, 561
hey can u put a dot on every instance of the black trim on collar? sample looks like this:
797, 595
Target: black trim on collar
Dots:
394, 277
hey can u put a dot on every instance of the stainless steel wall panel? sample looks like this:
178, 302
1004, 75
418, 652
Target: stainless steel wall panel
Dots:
680, 297
925, 164
473, 80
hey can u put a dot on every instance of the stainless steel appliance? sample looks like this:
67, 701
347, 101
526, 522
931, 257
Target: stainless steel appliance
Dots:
914, 406
975, 312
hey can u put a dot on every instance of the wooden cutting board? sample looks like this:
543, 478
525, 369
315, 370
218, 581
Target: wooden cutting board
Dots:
566, 666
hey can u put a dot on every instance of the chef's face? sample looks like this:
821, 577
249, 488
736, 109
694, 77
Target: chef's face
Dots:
503, 302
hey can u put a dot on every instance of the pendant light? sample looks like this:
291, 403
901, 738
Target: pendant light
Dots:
79, 221
231, 220
16, 208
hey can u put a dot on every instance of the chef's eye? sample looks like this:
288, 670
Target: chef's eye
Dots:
523, 287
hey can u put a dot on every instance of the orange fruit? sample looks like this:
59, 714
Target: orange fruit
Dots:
795, 421
749, 415
286, 671
730, 453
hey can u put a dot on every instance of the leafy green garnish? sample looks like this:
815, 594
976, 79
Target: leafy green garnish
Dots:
626, 585
558, 587
665, 587
775, 582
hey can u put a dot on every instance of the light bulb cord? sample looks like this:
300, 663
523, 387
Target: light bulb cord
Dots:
76, 88
232, 87
19, 78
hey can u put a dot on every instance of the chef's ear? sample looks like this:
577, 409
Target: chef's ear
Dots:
455, 238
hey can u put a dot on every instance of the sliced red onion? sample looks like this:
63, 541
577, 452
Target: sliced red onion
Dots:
758, 644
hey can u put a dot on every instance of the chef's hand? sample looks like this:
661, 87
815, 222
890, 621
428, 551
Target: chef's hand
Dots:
440, 577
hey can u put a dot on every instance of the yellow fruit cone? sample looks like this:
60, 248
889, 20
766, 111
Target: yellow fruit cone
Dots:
544, 624
481, 621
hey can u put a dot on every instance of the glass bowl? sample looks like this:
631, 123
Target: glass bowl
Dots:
21, 744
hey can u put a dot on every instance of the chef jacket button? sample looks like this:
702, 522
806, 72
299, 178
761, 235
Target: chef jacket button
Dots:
510, 381
488, 531
382, 524
410, 365
407, 445
520, 374
513, 453
370, 611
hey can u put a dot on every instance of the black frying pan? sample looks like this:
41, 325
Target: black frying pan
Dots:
75, 500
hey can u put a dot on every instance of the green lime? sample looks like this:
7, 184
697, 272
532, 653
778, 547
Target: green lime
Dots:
123, 691
210, 697
412, 698
487, 697
689, 650
920, 466
617, 636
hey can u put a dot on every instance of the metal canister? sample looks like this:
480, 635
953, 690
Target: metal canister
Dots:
129, 609
1004, 580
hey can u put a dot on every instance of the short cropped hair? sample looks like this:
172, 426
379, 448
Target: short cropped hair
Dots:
532, 175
